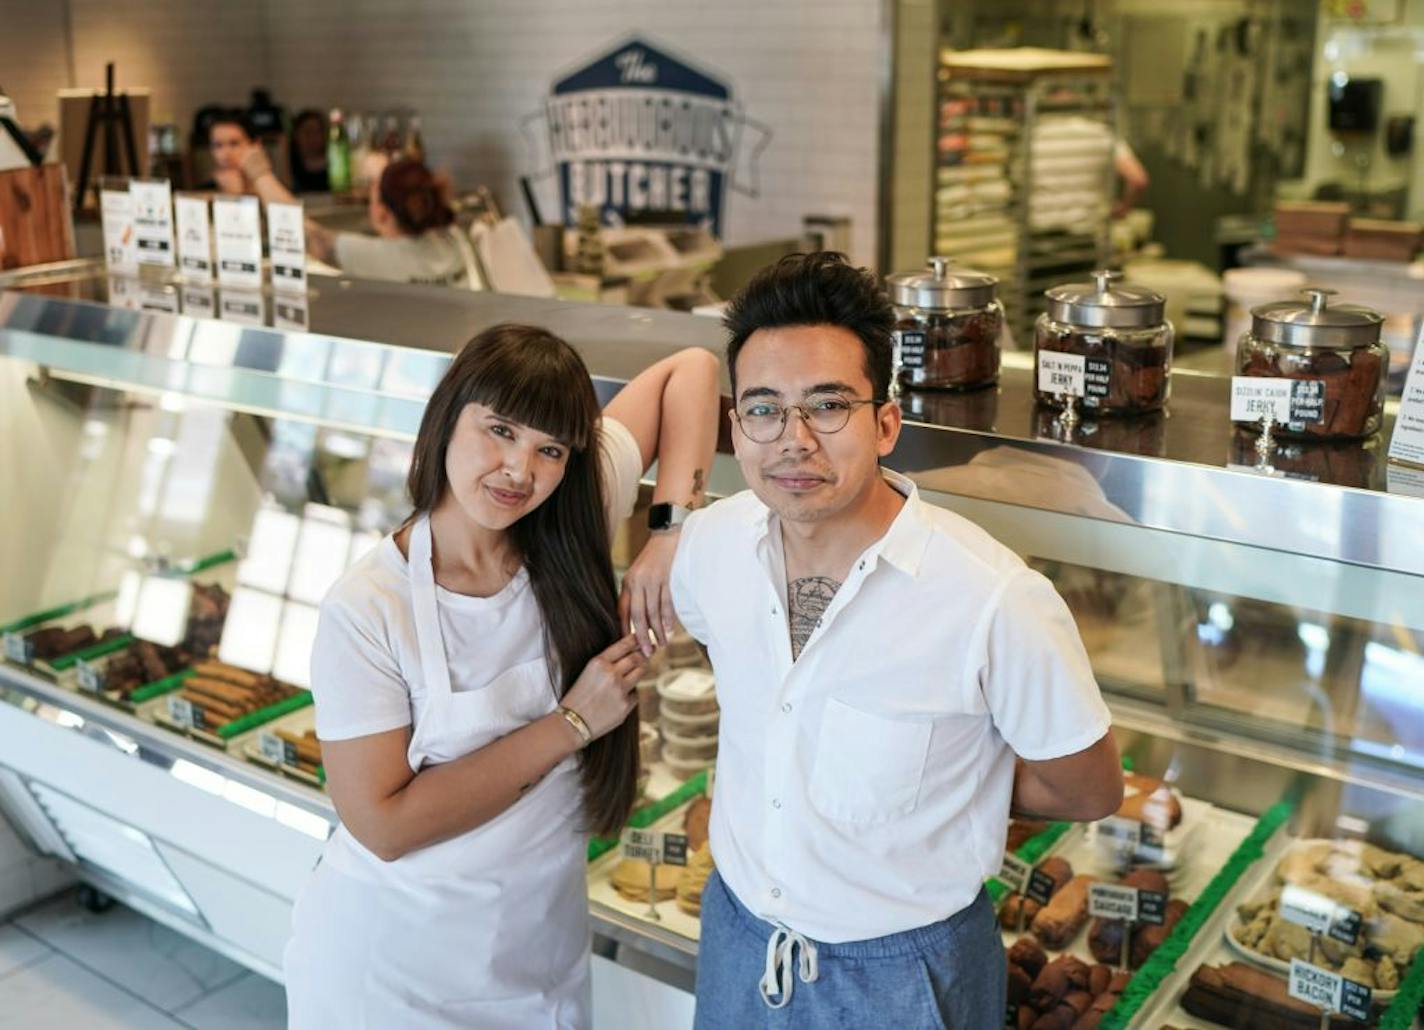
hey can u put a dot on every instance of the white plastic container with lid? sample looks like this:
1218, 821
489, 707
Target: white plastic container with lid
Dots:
687, 692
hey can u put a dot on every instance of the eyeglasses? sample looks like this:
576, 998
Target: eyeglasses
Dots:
763, 421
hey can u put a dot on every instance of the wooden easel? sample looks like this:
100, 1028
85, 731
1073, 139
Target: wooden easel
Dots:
110, 110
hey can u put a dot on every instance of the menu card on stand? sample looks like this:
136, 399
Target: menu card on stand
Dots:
237, 222
116, 211
153, 221
286, 239
195, 238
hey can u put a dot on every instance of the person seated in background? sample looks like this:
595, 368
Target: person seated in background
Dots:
416, 238
230, 139
307, 153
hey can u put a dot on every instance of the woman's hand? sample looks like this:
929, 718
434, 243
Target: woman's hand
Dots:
607, 689
646, 600
254, 164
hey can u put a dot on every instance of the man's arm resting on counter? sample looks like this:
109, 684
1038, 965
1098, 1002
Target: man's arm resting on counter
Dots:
1081, 787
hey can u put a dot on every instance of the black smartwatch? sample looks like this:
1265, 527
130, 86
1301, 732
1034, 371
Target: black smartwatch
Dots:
664, 515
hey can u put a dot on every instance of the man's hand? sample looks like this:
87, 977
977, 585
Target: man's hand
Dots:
1082, 787
646, 601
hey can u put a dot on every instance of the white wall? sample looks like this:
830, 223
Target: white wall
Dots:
809, 70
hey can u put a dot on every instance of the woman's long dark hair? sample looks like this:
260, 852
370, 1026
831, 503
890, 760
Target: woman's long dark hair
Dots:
532, 377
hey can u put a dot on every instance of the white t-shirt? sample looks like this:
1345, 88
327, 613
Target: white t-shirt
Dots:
366, 660
433, 258
864, 789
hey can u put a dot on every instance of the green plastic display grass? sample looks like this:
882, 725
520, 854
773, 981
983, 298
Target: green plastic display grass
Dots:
254, 719
57, 612
158, 688
98, 650
1031, 851
1405, 1006
650, 813
203, 564
1146, 980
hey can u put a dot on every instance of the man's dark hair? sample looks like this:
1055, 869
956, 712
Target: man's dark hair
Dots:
816, 289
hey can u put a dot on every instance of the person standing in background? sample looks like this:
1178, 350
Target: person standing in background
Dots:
306, 152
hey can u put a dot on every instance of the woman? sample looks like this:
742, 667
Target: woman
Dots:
416, 238
473, 696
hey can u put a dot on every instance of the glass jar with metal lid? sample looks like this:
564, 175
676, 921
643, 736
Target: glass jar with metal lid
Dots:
1336, 347
1103, 346
947, 327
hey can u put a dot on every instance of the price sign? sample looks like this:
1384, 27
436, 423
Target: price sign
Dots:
152, 221
1015, 872
195, 237
1151, 907
1040, 887
1329, 992
675, 849
1112, 901
90, 678
1407, 443
273, 747
1125, 834
287, 240
237, 224
116, 212
1097, 380
1064, 374
182, 712
18, 649
910, 346
1307, 401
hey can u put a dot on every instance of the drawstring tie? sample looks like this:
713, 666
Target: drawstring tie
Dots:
778, 979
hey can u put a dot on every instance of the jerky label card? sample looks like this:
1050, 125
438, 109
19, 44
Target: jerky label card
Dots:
910, 348
272, 747
237, 224
116, 211
1255, 397
287, 241
153, 221
1407, 444
1060, 373
1112, 901
17, 648
1015, 872
195, 237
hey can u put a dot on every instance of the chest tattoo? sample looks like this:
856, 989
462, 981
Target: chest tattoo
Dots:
809, 599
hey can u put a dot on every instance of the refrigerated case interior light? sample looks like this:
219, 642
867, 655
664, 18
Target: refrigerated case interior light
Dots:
162, 613
268, 562
249, 636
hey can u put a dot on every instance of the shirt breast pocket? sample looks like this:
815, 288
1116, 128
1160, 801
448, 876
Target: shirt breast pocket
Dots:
868, 768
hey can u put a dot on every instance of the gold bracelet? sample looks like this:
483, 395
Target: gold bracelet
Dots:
576, 721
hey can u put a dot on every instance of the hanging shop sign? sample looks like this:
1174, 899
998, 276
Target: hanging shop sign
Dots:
638, 131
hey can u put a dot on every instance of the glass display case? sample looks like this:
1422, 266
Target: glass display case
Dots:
187, 486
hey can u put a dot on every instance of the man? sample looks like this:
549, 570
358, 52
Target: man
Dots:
891, 681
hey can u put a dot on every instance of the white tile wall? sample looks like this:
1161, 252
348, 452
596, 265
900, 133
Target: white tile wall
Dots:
809, 70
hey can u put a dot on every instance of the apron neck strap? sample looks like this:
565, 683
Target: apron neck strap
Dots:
434, 666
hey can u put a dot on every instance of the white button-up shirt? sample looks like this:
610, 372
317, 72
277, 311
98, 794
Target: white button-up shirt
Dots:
864, 788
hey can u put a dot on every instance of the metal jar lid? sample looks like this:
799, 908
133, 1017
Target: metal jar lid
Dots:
1295, 323
1101, 304
942, 287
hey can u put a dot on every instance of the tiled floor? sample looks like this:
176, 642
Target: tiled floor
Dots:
64, 967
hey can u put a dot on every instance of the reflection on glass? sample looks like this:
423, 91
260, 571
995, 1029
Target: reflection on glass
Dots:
294, 643
322, 546
268, 562
200, 301
162, 612
290, 311
241, 306
249, 636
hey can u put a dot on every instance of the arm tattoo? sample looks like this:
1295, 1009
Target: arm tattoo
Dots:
809, 597
697, 489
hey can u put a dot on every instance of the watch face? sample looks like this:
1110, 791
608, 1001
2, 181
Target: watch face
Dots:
660, 516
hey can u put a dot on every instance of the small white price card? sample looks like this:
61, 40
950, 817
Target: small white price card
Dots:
273, 749
180, 710
90, 678
1112, 901
237, 224
153, 221
1255, 397
1015, 872
655, 847
1063, 374
287, 241
116, 211
1407, 443
195, 238
1329, 992
1319, 914
17, 648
